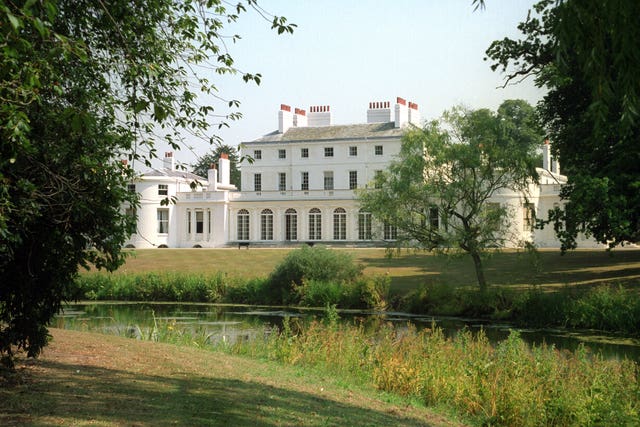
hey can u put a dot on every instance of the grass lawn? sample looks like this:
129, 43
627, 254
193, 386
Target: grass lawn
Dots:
411, 269
90, 379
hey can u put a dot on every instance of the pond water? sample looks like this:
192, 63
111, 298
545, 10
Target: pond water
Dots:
232, 323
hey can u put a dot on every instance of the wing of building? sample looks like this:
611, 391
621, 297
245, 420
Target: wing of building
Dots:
300, 186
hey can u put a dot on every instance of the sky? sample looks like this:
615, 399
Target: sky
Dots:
347, 53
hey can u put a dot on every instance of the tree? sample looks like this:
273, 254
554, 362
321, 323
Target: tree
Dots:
203, 164
84, 83
439, 192
585, 53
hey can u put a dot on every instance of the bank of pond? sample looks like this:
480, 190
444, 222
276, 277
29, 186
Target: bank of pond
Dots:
483, 373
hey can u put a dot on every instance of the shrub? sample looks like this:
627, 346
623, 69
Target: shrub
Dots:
317, 264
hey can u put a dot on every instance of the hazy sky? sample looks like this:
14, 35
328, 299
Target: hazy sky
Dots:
347, 53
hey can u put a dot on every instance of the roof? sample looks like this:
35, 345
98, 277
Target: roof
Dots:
336, 132
173, 174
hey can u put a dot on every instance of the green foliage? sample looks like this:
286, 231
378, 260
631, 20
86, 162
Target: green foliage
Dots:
438, 193
317, 264
583, 53
81, 84
174, 287
510, 384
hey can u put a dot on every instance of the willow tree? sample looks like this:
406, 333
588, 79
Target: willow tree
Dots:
438, 193
84, 83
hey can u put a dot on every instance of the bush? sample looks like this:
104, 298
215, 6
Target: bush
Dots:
317, 264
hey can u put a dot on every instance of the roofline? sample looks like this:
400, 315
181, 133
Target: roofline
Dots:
365, 138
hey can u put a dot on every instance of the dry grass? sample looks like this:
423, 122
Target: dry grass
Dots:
411, 269
89, 379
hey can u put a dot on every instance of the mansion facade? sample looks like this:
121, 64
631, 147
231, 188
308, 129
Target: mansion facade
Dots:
301, 187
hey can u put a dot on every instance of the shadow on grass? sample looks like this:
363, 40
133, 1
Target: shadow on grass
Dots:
549, 268
81, 394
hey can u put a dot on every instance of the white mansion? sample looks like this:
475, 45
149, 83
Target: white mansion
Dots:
300, 187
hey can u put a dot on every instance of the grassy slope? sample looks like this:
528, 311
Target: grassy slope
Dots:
409, 269
90, 379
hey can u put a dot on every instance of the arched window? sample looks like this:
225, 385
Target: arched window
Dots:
266, 224
339, 224
290, 224
315, 224
364, 225
243, 224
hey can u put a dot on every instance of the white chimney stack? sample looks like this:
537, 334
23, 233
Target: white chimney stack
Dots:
285, 119
401, 115
414, 114
168, 162
379, 112
212, 177
225, 169
319, 115
546, 155
300, 118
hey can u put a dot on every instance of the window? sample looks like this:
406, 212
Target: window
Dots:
282, 154
290, 224
528, 216
377, 179
304, 181
257, 182
364, 225
315, 224
353, 151
378, 150
304, 153
257, 154
390, 231
188, 221
353, 180
243, 224
339, 224
163, 189
266, 224
209, 229
199, 222
328, 151
434, 218
163, 221
131, 188
282, 181
328, 180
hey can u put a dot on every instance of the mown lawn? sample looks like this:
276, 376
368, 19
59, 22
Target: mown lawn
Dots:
408, 270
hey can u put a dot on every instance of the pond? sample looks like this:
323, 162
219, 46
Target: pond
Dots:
230, 323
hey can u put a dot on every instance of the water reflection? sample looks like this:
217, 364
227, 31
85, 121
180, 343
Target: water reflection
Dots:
233, 323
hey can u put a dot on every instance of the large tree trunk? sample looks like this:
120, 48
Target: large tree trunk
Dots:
477, 262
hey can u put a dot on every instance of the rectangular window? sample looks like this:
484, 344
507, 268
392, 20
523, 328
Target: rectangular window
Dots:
364, 226
434, 218
328, 151
257, 154
163, 221
209, 221
353, 151
282, 181
339, 225
131, 188
378, 150
304, 181
163, 189
528, 216
257, 182
353, 180
390, 232
328, 180
243, 225
199, 222
304, 153
282, 154
377, 179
